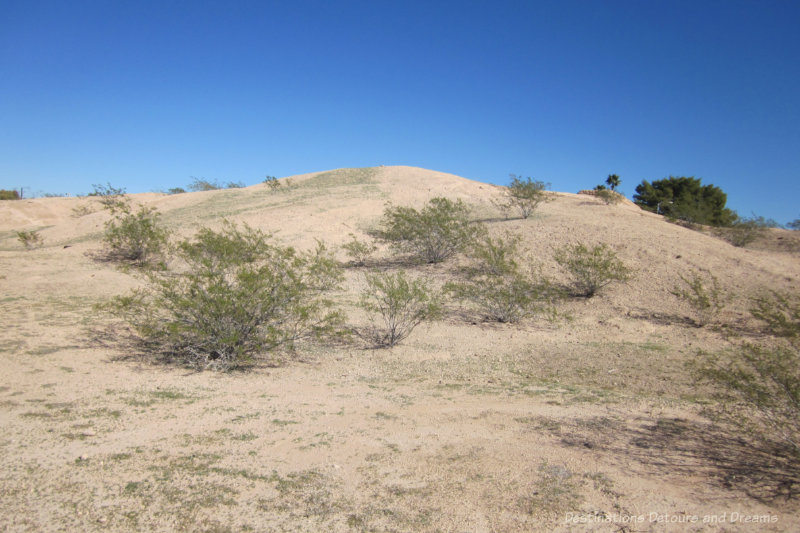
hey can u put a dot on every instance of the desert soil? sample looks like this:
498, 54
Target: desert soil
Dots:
591, 422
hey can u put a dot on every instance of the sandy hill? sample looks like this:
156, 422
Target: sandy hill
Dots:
465, 427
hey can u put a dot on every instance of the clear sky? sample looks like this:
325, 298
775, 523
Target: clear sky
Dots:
146, 94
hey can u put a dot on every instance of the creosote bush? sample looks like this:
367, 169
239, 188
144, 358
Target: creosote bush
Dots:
591, 269
358, 251
759, 384
137, 238
524, 196
701, 290
780, 313
438, 231
609, 197
496, 286
397, 305
6, 194
110, 197
238, 298
759, 389
30, 239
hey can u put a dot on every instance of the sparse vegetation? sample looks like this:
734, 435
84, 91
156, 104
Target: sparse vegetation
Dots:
524, 196
746, 230
239, 298
759, 391
591, 269
6, 194
609, 197
397, 305
110, 197
780, 313
137, 238
441, 229
30, 239
358, 251
176, 190
272, 182
82, 209
495, 285
202, 184
702, 291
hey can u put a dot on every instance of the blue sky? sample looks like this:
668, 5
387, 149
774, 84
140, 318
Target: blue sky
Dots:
147, 94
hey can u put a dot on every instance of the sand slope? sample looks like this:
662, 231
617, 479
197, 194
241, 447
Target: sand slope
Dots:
465, 427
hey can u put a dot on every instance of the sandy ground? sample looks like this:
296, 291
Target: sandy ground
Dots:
588, 423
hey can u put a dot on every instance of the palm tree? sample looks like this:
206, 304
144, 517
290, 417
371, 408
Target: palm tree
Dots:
613, 181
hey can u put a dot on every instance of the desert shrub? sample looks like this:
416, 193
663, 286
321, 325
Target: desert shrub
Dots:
746, 230
81, 210
235, 185
438, 231
358, 251
30, 239
701, 290
272, 182
591, 269
495, 285
198, 184
110, 197
780, 313
794, 224
238, 298
524, 196
6, 194
609, 197
137, 237
176, 190
396, 305
759, 389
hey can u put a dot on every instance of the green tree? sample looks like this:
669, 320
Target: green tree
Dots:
237, 298
685, 198
438, 231
524, 195
613, 181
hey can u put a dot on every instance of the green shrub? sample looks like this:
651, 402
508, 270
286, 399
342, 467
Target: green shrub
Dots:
524, 196
701, 290
759, 389
441, 229
591, 269
397, 305
6, 194
30, 239
780, 313
198, 184
609, 197
176, 190
110, 197
358, 251
746, 230
272, 182
495, 285
238, 298
135, 237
